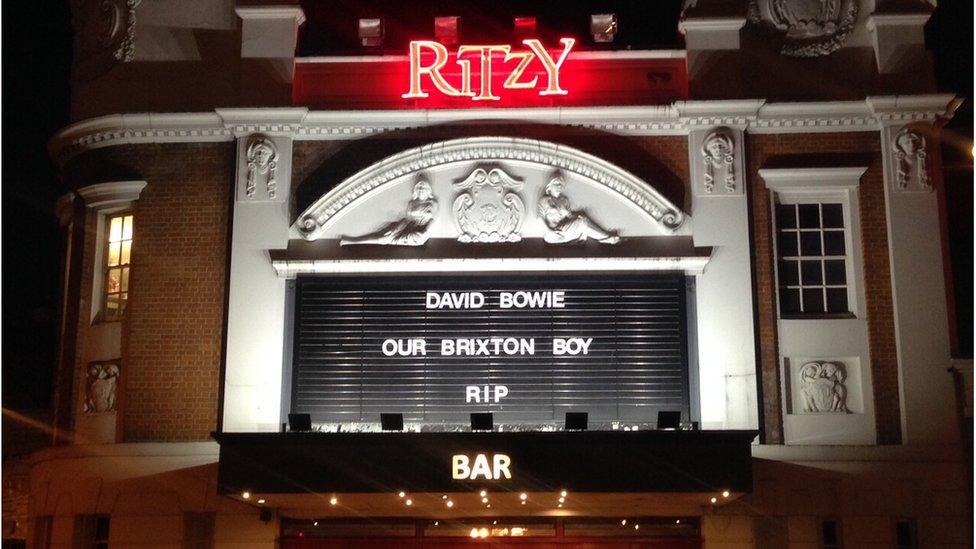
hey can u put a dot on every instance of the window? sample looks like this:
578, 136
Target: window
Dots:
117, 258
91, 531
198, 530
42, 532
830, 535
101, 532
906, 535
812, 259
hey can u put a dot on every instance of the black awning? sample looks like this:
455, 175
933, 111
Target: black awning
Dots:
594, 461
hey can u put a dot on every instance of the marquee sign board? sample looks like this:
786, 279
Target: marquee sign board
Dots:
527, 349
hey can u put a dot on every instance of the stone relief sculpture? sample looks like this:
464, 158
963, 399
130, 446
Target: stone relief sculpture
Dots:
718, 152
411, 230
262, 163
910, 158
810, 28
100, 389
564, 224
822, 387
489, 210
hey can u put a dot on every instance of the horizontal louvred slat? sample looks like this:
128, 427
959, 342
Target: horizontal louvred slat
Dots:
636, 364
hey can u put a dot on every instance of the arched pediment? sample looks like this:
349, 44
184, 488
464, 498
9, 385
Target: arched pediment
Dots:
453, 167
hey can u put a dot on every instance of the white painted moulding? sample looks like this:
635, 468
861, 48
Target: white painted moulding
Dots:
291, 268
311, 222
111, 194
755, 116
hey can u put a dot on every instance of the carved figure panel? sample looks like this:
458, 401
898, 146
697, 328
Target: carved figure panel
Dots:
411, 230
101, 384
822, 387
563, 224
718, 154
810, 28
262, 167
911, 169
489, 210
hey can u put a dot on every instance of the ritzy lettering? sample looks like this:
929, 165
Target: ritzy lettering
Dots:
429, 67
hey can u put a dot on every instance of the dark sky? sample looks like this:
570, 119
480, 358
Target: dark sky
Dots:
36, 70
36, 65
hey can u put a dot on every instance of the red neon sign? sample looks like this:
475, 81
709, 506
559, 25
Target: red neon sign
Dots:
489, 57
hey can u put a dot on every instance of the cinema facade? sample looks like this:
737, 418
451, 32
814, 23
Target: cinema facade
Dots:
683, 315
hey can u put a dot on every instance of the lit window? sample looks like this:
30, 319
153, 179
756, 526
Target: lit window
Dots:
117, 259
812, 259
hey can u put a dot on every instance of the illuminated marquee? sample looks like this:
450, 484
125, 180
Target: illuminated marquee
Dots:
516, 79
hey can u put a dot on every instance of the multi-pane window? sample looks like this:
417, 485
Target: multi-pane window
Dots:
812, 259
101, 531
117, 259
42, 531
905, 535
830, 535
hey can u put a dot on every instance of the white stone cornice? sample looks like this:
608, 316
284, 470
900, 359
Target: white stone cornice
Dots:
752, 115
737, 113
711, 24
275, 121
779, 179
876, 20
286, 268
271, 12
902, 109
114, 194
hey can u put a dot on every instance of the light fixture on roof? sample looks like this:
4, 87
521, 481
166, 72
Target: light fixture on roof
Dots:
371, 32
603, 27
525, 27
333, 500
447, 29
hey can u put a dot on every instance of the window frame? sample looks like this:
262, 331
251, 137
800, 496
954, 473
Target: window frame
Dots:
105, 243
839, 531
104, 200
821, 186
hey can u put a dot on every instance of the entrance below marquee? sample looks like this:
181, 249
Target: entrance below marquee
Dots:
525, 532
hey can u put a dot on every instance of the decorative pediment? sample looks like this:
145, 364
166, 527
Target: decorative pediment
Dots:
486, 165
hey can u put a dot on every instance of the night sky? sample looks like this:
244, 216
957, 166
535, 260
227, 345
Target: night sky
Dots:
36, 70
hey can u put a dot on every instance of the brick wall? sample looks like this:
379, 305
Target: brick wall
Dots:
173, 331
802, 150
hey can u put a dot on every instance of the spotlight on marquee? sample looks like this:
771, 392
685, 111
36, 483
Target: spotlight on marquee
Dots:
482, 421
668, 421
391, 422
447, 30
300, 422
577, 421
371, 32
525, 27
603, 27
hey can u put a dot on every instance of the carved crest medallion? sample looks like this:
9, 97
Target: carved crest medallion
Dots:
489, 210
101, 385
822, 386
810, 28
910, 157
